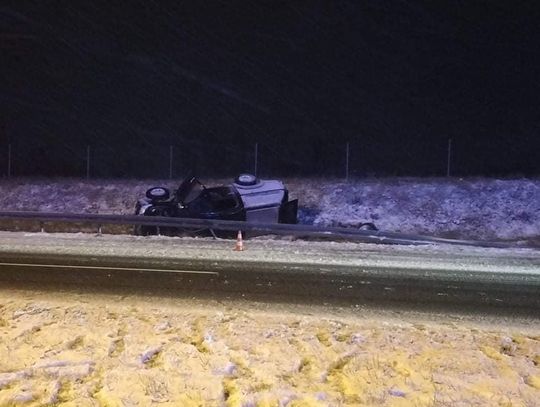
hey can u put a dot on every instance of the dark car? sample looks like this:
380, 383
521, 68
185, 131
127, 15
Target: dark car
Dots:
246, 199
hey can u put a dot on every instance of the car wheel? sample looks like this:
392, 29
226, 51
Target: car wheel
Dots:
158, 193
246, 180
367, 226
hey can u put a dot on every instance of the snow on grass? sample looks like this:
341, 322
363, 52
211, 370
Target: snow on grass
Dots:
478, 208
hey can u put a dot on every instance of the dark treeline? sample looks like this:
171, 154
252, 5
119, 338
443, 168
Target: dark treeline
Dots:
394, 79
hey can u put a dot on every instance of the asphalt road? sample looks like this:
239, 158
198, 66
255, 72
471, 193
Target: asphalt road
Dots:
278, 270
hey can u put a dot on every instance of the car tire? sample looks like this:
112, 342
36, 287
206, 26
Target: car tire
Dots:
246, 180
158, 194
367, 226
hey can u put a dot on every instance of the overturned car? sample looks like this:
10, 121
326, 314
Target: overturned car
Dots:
246, 199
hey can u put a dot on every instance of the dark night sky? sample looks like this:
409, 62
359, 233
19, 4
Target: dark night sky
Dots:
394, 78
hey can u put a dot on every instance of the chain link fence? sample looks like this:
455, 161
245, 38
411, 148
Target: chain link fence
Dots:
147, 160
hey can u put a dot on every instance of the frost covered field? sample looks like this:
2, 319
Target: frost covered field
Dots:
474, 208
88, 349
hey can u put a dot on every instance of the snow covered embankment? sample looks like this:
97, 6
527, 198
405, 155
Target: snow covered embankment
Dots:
469, 209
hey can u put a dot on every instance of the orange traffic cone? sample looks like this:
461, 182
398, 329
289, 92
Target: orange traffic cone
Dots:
239, 247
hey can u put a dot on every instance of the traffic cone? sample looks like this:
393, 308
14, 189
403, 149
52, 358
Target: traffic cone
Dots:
239, 247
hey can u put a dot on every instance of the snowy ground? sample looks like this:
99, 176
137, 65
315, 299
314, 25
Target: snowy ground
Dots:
93, 349
448, 207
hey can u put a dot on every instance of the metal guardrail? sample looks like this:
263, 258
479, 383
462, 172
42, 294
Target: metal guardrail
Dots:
302, 231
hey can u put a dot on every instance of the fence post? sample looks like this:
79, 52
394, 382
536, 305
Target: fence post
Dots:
87, 162
9, 161
347, 162
170, 161
449, 157
256, 159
